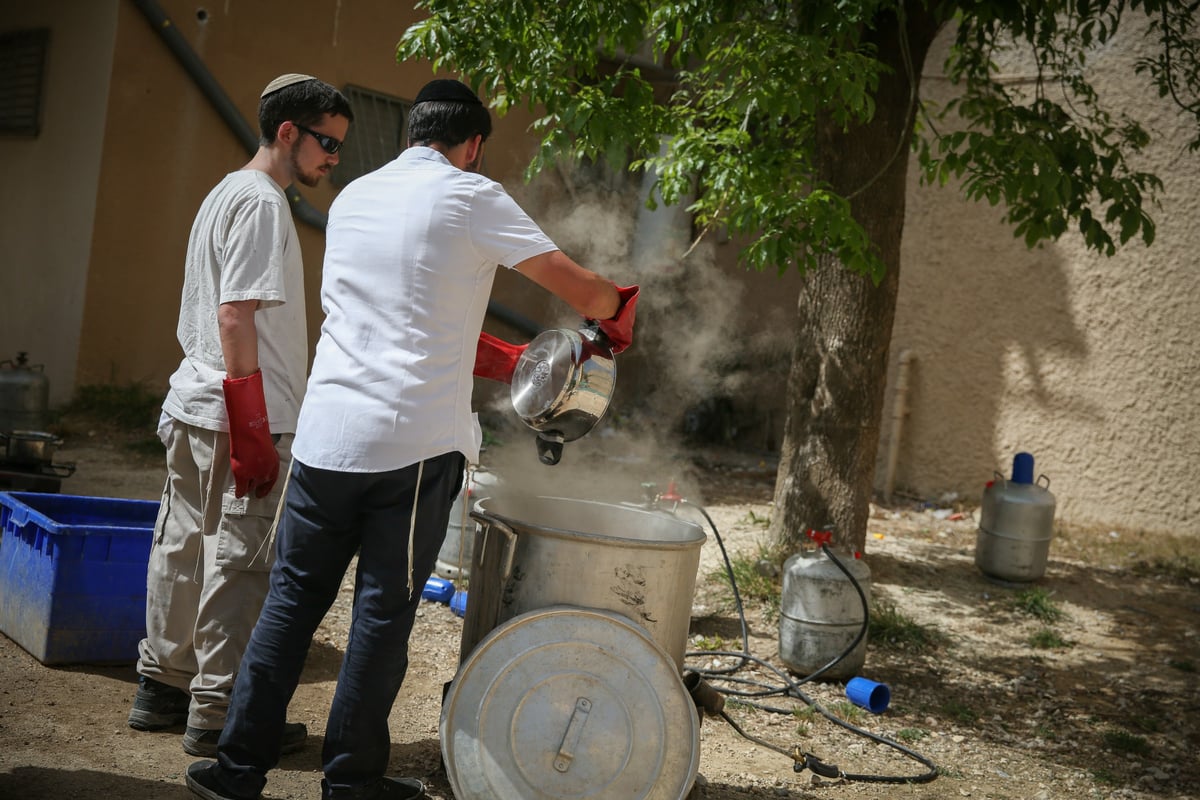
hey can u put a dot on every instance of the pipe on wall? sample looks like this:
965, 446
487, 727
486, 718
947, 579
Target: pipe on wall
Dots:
899, 412
301, 208
204, 80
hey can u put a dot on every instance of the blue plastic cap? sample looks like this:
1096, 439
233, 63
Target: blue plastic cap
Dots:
458, 603
438, 590
1023, 468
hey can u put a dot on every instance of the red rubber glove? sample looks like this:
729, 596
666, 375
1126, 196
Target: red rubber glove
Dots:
252, 454
619, 329
495, 359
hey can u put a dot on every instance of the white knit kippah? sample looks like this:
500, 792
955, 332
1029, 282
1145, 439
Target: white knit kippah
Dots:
285, 80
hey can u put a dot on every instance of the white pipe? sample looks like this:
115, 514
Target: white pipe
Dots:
899, 412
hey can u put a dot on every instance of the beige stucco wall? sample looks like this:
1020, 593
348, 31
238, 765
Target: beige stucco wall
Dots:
48, 203
166, 147
1090, 363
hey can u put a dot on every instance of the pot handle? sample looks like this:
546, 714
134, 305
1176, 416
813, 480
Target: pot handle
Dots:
510, 544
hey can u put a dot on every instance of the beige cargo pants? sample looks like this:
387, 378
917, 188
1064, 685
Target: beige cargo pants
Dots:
208, 570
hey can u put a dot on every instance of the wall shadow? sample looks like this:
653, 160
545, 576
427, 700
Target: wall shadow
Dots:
988, 321
986, 326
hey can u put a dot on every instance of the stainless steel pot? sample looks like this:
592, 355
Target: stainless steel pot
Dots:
29, 447
533, 552
562, 386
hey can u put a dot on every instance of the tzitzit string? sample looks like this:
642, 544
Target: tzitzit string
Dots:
412, 525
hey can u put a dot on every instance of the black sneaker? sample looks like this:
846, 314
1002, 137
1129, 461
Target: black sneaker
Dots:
202, 780
402, 789
157, 706
386, 789
199, 742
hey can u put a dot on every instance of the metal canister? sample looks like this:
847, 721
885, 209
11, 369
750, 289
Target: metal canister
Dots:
454, 557
534, 552
1016, 524
24, 395
821, 613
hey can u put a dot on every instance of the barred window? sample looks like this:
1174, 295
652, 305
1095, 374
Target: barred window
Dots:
378, 134
22, 64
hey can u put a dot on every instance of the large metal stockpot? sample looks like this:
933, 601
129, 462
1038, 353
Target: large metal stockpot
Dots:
533, 552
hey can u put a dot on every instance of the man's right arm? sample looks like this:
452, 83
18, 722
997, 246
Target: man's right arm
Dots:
239, 337
589, 294
594, 297
252, 455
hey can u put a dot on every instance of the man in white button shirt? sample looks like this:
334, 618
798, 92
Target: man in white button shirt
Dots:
384, 434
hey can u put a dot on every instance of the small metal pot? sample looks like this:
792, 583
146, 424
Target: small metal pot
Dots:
562, 386
29, 447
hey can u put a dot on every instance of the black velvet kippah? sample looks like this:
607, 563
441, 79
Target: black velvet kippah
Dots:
446, 89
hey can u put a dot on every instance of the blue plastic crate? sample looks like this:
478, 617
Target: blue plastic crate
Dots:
73, 575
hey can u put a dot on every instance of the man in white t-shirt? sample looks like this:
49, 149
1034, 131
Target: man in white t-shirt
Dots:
384, 433
229, 418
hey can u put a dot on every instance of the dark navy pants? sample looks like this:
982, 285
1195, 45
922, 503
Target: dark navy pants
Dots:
328, 517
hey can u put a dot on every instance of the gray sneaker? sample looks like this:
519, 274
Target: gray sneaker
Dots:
157, 706
199, 742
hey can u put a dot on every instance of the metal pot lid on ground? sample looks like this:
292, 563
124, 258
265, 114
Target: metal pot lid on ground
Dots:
568, 702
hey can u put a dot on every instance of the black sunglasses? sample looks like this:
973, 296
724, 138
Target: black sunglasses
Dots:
328, 143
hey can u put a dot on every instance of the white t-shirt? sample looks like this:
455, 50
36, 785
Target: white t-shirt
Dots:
410, 254
243, 246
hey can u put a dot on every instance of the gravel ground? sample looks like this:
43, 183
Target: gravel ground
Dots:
1109, 710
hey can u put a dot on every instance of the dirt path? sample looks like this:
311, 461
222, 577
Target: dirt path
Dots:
1109, 713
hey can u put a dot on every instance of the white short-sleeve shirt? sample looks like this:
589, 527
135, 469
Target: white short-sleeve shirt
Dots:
411, 252
243, 246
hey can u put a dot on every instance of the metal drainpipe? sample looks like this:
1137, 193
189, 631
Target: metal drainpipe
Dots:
161, 23
899, 412
301, 208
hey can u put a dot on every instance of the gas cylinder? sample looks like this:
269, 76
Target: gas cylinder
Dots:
820, 614
1016, 524
24, 395
454, 557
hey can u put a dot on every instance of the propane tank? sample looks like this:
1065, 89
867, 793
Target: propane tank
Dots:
454, 557
24, 395
821, 614
1016, 523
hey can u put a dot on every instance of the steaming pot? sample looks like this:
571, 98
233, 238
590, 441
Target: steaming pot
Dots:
562, 386
535, 552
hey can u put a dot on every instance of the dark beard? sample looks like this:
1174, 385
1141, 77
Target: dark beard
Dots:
306, 178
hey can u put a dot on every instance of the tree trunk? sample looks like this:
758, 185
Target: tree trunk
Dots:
839, 364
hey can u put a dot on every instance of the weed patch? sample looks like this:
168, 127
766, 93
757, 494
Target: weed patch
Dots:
1037, 603
892, 630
